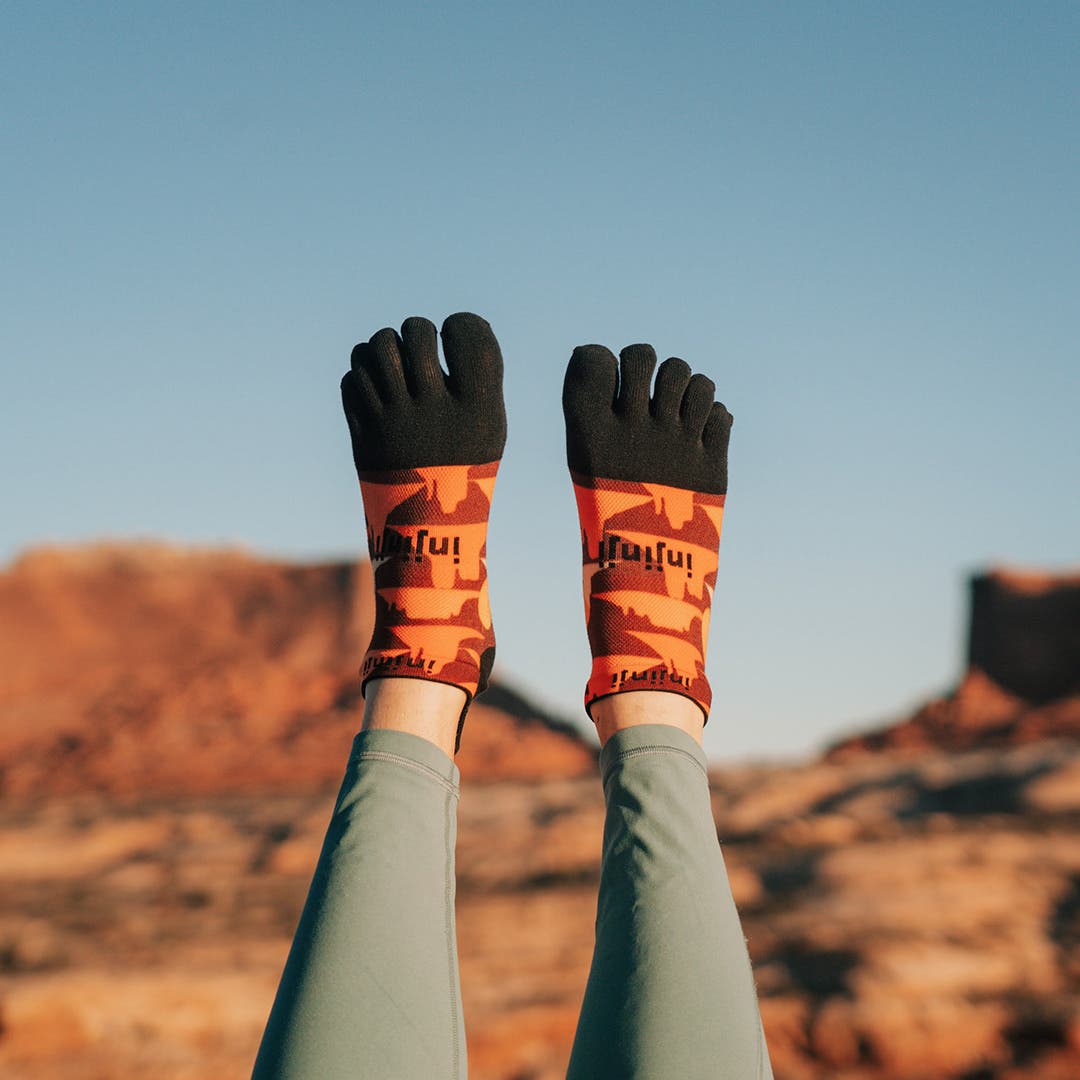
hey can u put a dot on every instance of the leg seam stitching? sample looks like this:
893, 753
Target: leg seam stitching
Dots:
408, 763
639, 751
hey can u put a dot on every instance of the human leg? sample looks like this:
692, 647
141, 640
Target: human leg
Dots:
670, 991
371, 989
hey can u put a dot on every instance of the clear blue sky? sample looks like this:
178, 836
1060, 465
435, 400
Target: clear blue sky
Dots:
862, 219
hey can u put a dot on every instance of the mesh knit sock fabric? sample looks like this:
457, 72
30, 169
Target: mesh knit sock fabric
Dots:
426, 447
650, 478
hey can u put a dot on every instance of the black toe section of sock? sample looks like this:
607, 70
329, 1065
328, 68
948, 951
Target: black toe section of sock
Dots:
697, 402
671, 383
717, 427
619, 430
591, 383
423, 375
383, 362
716, 435
636, 365
473, 357
358, 392
405, 413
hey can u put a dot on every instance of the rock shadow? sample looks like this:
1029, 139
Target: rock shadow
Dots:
1064, 923
820, 973
784, 877
1000, 792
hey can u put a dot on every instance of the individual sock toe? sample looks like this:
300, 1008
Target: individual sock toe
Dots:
473, 357
382, 361
671, 381
636, 364
590, 386
358, 393
717, 429
352, 407
592, 380
697, 403
361, 403
422, 372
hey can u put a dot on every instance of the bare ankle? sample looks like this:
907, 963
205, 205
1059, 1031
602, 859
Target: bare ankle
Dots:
633, 708
430, 710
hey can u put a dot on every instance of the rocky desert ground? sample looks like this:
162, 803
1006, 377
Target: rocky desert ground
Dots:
911, 899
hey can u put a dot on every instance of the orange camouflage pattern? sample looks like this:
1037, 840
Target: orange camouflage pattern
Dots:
649, 561
427, 538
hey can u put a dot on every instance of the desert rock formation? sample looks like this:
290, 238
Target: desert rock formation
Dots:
1022, 681
911, 915
136, 668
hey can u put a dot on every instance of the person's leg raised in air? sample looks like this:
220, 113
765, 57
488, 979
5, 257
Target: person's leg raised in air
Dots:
371, 988
670, 991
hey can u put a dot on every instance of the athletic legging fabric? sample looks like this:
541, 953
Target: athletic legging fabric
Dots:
371, 989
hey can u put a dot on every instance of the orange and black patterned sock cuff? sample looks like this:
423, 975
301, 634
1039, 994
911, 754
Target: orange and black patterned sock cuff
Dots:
427, 538
649, 558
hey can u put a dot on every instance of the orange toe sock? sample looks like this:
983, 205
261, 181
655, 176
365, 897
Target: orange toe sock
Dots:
649, 558
427, 538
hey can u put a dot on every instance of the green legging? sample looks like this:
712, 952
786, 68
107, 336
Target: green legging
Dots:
371, 990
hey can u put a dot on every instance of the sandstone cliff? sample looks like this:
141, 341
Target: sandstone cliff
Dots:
910, 915
147, 668
908, 920
1022, 681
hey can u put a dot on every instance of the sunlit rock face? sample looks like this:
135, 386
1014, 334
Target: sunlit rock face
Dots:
1025, 634
127, 668
173, 726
